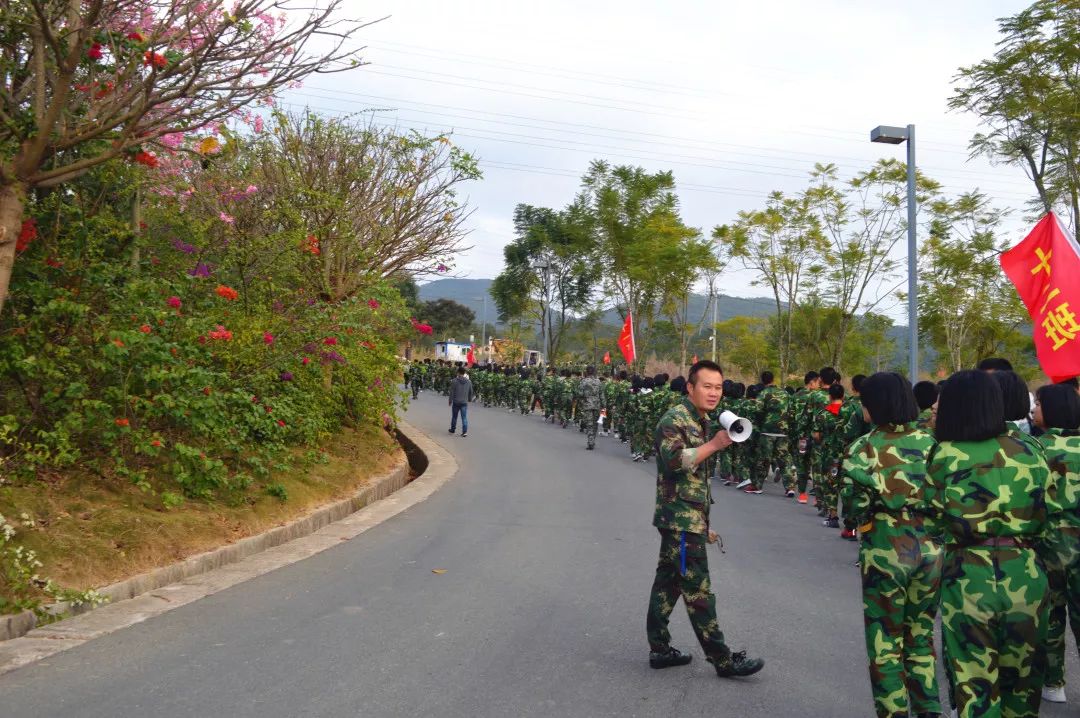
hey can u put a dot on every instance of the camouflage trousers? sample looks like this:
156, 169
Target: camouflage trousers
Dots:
772, 453
901, 575
801, 466
827, 483
993, 622
1061, 558
590, 417
415, 386
684, 573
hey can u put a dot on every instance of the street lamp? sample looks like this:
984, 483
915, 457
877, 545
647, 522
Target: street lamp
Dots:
894, 136
543, 265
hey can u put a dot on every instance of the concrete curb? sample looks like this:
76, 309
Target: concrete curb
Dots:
150, 594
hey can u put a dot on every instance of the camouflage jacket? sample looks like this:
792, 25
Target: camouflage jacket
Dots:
884, 474
683, 494
923, 422
983, 489
1063, 458
851, 419
829, 425
774, 401
589, 393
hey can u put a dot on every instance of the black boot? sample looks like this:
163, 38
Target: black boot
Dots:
669, 658
737, 665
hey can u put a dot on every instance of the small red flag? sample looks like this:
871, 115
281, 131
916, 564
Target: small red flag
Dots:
607, 357
1044, 268
470, 357
626, 339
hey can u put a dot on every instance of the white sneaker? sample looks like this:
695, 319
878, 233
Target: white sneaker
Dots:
743, 484
1054, 694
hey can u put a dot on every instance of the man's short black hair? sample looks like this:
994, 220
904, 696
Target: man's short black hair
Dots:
1014, 393
678, 385
753, 391
590, 370
1074, 383
836, 391
889, 399
827, 375
926, 393
767, 377
970, 408
856, 383
810, 376
691, 377
1060, 406
461, 371
622, 375
995, 364
738, 390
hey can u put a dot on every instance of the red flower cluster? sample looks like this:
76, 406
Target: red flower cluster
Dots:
27, 234
94, 53
135, 36
174, 302
268, 338
156, 59
311, 245
143, 157
122, 422
330, 341
226, 292
221, 333
373, 303
145, 329
422, 328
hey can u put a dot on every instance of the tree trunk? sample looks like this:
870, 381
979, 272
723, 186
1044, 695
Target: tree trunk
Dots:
12, 203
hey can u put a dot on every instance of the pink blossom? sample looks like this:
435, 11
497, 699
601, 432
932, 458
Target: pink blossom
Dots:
258, 124
442, 268
268, 338
251, 189
174, 302
172, 140
226, 218
373, 303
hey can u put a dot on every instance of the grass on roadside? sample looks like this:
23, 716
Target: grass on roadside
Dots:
89, 532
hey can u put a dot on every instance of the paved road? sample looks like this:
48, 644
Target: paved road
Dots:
549, 555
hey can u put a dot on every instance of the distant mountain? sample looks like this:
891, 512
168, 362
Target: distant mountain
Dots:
470, 292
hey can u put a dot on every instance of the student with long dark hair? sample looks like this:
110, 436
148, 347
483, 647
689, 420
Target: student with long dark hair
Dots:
987, 493
1057, 413
884, 493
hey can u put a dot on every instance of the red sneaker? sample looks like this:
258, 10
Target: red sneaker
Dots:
848, 534
803, 498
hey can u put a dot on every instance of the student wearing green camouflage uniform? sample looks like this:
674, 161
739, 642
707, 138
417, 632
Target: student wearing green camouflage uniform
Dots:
799, 427
990, 496
684, 443
589, 401
1057, 413
852, 422
884, 482
753, 411
815, 405
564, 399
638, 421
829, 438
773, 452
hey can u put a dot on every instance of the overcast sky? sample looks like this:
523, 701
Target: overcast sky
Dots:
738, 99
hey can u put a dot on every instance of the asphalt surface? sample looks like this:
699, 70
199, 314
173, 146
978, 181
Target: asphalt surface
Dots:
548, 554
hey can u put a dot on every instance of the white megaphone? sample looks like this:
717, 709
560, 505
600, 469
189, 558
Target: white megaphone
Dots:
738, 428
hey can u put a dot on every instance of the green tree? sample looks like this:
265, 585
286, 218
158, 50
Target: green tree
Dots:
745, 343
784, 246
447, 317
1026, 96
642, 241
561, 241
968, 309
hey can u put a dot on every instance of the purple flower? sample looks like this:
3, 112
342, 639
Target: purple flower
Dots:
332, 357
286, 376
310, 348
182, 246
201, 270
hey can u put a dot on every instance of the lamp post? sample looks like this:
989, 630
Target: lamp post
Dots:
483, 321
543, 265
712, 295
894, 136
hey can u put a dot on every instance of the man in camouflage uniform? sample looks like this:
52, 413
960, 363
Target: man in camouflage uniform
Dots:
773, 453
851, 414
991, 501
589, 401
829, 438
884, 480
798, 422
683, 444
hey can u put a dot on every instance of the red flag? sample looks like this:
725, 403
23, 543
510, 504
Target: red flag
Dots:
626, 339
470, 357
607, 357
1044, 268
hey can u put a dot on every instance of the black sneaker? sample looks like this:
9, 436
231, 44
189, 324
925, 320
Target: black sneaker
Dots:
737, 665
464, 434
672, 657
452, 431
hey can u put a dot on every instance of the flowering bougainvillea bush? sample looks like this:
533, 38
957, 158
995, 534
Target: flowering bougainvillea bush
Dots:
187, 366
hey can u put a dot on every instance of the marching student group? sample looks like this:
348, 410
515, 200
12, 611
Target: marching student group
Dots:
963, 497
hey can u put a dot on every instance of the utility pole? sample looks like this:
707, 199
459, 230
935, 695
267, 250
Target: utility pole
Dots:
712, 296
